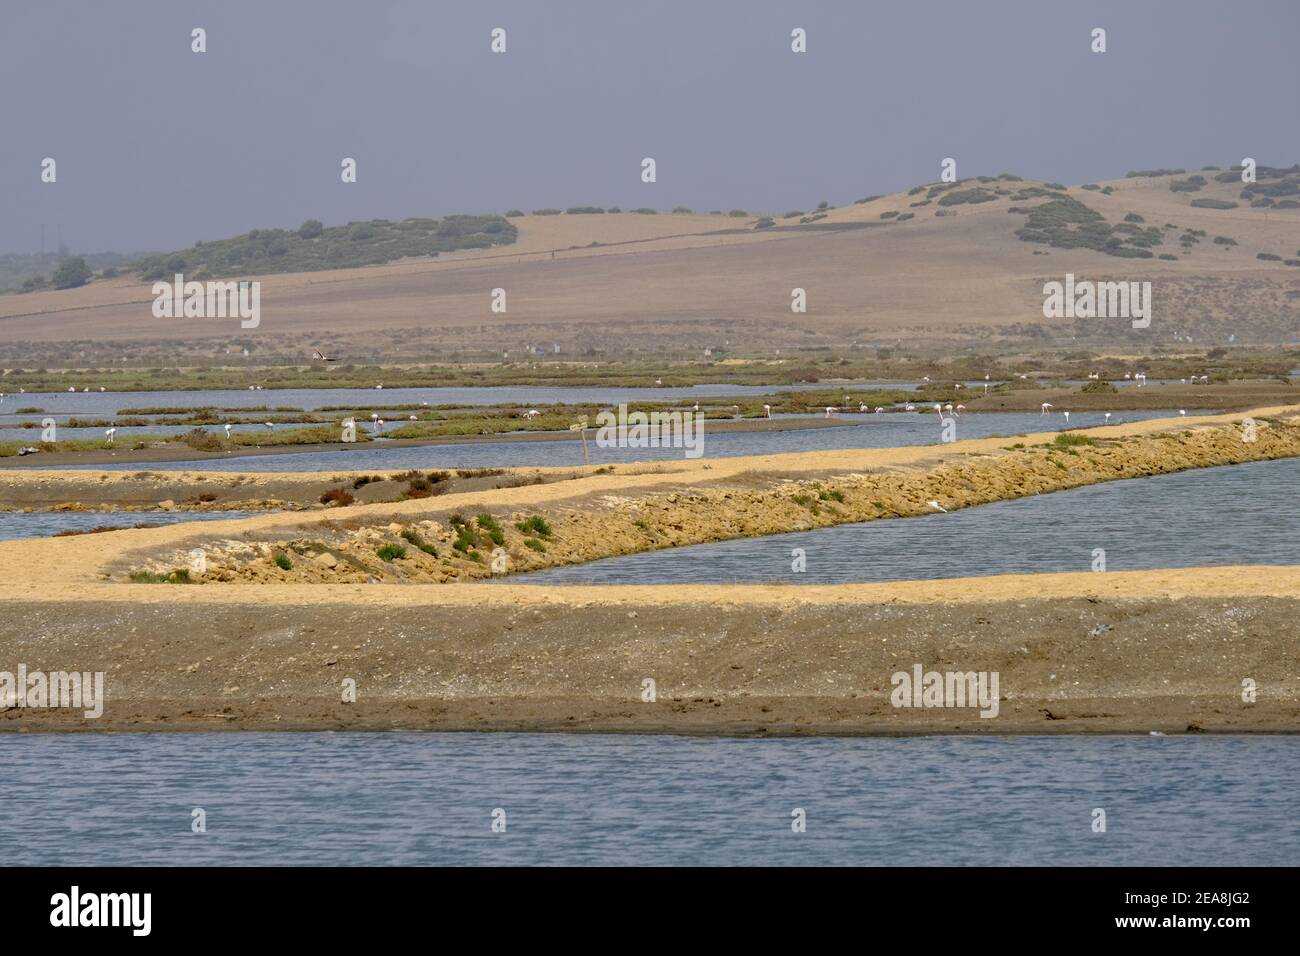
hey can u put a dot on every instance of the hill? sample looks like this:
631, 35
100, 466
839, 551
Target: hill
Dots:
957, 265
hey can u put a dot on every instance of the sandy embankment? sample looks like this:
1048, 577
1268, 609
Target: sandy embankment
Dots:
442, 539
1157, 650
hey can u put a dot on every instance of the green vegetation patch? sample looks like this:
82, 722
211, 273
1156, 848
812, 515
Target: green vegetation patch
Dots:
179, 576
536, 525
1066, 223
967, 197
313, 247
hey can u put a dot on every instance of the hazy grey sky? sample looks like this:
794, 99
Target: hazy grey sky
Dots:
158, 146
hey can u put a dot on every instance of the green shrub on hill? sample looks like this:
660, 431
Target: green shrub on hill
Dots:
1066, 223
71, 273
306, 249
967, 196
1213, 204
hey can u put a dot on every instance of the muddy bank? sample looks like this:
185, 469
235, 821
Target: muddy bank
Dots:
1221, 396
176, 451
232, 491
1075, 653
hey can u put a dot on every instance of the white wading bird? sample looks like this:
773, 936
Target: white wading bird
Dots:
1067, 417
830, 410
1182, 411
109, 433
1046, 406
320, 356
909, 407
937, 506
227, 431
1108, 418
531, 413
767, 410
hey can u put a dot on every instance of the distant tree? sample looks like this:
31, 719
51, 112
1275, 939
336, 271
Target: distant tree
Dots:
311, 229
72, 272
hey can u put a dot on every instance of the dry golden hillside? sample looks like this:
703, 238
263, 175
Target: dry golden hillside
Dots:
954, 272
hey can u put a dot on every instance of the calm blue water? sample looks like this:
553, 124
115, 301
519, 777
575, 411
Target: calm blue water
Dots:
417, 799
42, 524
1237, 514
886, 430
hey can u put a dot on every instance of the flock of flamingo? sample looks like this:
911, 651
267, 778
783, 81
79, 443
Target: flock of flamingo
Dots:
949, 408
